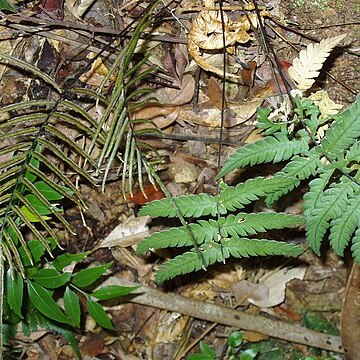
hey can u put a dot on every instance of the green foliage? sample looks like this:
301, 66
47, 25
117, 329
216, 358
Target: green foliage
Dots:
318, 323
234, 351
270, 149
42, 301
331, 204
86, 277
40, 166
207, 353
4, 5
99, 315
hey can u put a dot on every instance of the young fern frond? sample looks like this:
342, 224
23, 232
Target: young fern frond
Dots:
299, 168
242, 224
343, 227
190, 206
270, 149
330, 205
213, 252
355, 248
236, 197
343, 133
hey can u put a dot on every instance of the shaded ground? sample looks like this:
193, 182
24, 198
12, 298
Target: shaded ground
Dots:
190, 165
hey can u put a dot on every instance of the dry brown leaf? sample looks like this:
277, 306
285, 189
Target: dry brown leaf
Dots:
84, 5
276, 284
72, 7
160, 115
93, 345
127, 234
180, 96
254, 337
171, 328
255, 135
127, 257
202, 291
244, 289
215, 93
207, 33
209, 115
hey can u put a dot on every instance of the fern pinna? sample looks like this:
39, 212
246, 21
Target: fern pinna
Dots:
233, 237
330, 159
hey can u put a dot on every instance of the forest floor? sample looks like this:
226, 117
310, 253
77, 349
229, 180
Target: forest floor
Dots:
308, 291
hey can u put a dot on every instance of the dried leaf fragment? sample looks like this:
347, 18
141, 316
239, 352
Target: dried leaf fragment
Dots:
206, 34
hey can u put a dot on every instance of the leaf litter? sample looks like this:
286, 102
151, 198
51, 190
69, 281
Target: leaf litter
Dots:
174, 111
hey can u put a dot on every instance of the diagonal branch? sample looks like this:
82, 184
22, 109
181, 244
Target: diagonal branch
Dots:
147, 296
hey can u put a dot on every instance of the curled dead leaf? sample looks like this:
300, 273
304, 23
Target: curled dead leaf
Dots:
209, 115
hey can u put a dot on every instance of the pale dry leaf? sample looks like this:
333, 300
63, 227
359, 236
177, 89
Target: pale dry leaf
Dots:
209, 115
326, 106
243, 289
171, 328
84, 5
255, 135
73, 8
96, 74
182, 171
276, 283
180, 96
307, 66
127, 234
244, 111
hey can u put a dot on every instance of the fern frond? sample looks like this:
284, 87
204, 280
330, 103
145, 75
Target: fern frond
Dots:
343, 227
189, 205
330, 204
244, 248
236, 197
75, 148
203, 231
189, 262
214, 252
307, 66
355, 248
271, 149
343, 132
299, 168
317, 187
115, 119
208, 230
244, 224
353, 154
65, 159
32, 69
24, 105
73, 194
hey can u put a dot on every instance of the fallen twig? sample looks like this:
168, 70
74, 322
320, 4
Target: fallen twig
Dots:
147, 296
